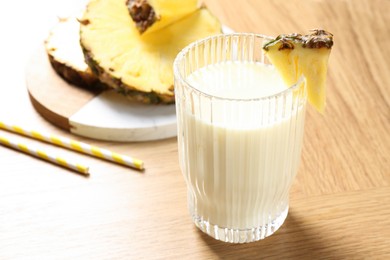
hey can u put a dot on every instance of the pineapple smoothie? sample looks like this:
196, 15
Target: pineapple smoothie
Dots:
239, 161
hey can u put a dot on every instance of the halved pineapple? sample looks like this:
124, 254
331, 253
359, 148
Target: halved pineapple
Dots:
65, 55
295, 54
152, 15
140, 68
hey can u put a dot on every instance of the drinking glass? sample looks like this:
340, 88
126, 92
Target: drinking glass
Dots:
238, 155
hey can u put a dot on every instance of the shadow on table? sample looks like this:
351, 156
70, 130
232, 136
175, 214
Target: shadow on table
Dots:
294, 240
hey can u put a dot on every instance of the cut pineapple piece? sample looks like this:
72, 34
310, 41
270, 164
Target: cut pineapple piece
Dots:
152, 15
140, 68
295, 54
65, 55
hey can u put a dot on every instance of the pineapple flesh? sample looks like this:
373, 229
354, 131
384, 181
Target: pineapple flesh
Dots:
295, 55
153, 15
139, 68
65, 55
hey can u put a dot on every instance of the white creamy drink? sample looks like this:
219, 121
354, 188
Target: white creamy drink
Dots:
240, 156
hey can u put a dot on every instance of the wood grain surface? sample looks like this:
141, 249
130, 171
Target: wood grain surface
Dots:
340, 201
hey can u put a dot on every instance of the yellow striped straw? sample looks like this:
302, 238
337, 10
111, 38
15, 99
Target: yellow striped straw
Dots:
76, 146
44, 155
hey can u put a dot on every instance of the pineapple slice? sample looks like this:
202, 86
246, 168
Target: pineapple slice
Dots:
139, 68
65, 55
152, 15
295, 54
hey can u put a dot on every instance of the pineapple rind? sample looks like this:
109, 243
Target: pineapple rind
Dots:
152, 15
85, 79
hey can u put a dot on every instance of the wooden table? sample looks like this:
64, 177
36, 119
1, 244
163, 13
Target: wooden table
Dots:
340, 201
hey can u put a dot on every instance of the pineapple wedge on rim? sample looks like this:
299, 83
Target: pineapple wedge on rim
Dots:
138, 67
153, 15
294, 55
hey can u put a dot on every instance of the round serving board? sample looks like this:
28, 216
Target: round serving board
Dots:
103, 115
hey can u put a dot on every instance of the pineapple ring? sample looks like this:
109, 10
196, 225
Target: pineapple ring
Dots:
65, 55
138, 67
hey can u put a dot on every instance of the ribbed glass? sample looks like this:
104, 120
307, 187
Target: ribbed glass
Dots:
239, 156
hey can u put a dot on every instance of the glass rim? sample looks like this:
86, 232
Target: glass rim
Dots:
180, 56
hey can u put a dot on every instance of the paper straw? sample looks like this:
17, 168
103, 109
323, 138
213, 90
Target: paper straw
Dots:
76, 146
44, 155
